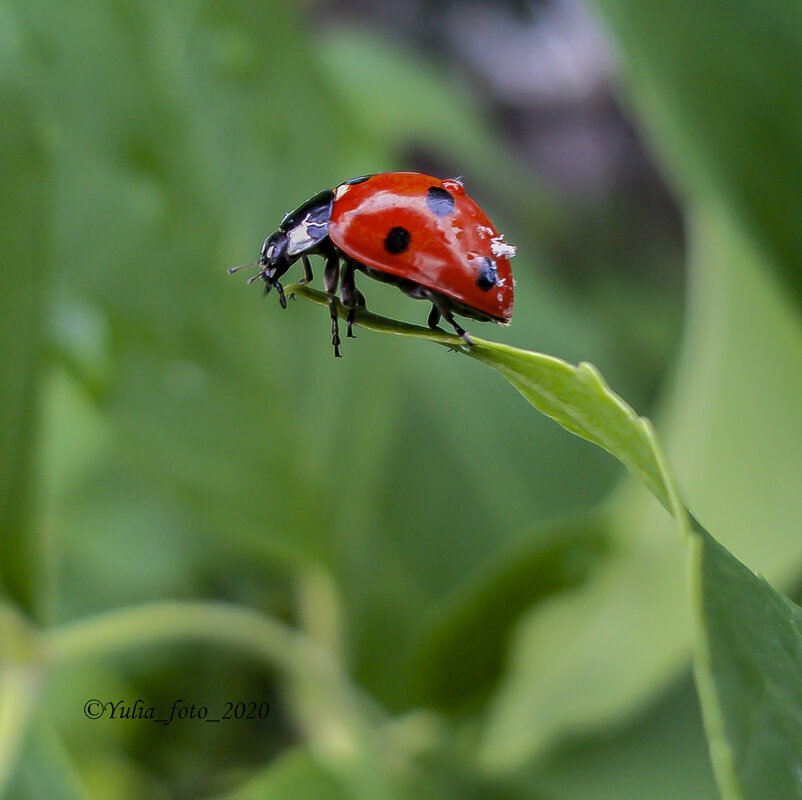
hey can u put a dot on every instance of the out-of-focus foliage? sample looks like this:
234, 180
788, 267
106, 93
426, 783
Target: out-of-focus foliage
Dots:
166, 434
747, 636
23, 241
722, 91
738, 315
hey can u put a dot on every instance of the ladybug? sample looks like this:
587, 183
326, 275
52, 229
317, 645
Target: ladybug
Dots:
422, 234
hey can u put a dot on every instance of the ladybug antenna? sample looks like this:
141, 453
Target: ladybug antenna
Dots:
232, 270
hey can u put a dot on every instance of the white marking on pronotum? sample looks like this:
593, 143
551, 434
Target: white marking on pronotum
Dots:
500, 248
341, 190
304, 234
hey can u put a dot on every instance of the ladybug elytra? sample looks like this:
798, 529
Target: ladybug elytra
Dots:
422, 234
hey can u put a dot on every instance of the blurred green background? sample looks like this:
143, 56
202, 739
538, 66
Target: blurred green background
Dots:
506, 603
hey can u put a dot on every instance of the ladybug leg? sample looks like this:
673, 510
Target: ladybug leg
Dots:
280, 291
441, 306
348, 295
331, 275
449, 318
434, 317
307, 278
269, 284
461, 332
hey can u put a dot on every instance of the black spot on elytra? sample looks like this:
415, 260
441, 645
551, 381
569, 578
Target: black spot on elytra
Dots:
396, 241
360, 179
487, 277
440, 201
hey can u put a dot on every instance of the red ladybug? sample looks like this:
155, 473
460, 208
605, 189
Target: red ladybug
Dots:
420, 233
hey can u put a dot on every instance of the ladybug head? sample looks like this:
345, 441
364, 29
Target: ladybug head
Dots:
273, 256
272, 261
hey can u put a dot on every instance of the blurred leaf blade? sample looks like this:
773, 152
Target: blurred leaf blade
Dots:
295, 776
740, 371
572, 666
578, 399
664, 750
45, 769
24, 245
450, 670
728, 120
153, 202
428, 106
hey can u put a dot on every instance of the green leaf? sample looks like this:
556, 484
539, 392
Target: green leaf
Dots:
600, 652
45, 770
592, 656
750, 680
734, 401
575, 396
462, 650
748, 666
296, 774
663, 749
20, 683
300, 774
720, 92
23, 244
